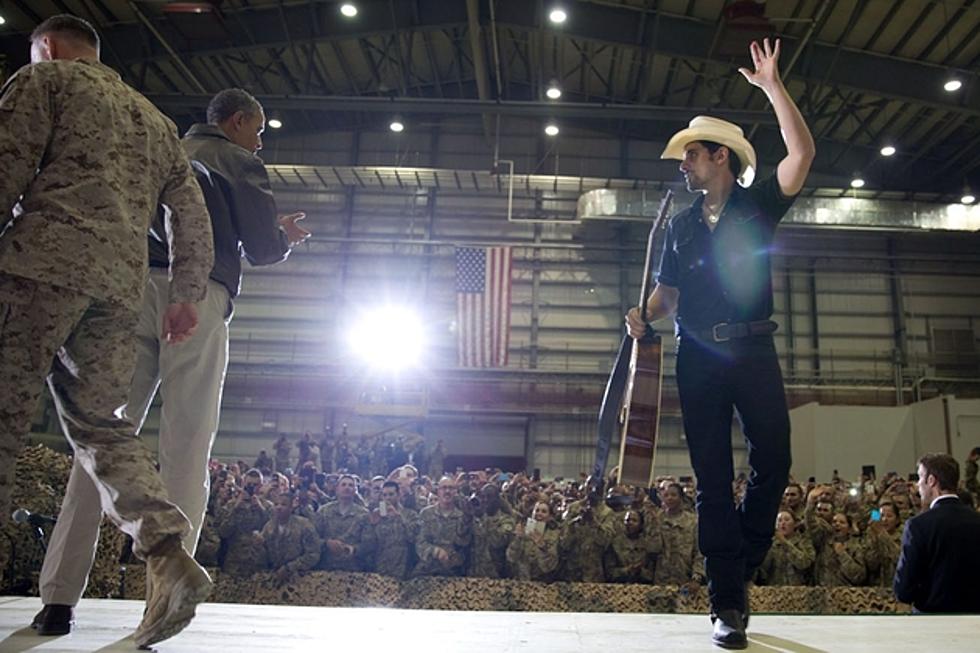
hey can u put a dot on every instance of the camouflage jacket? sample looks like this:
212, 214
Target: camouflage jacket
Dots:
881, 552
491, 535
389, 543
681, 560
530, 560
334, 523
295, 547
450, 531
832, 569
581, 545
89, 160
970, 477
209, 544
237, 526
788, 561
633, 559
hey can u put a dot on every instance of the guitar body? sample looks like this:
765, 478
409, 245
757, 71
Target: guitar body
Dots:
640, 418
631, 403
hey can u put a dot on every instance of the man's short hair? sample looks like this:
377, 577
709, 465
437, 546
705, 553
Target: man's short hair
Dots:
391, 484
944, 467
734, 163
229, 102
70, 26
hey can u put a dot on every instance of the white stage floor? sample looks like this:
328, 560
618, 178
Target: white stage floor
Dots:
104, 625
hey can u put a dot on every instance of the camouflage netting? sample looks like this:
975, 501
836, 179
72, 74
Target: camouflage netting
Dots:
42, 474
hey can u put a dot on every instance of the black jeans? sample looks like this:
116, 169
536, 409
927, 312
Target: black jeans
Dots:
714, 380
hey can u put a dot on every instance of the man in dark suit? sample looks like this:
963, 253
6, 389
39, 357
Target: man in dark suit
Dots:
938, 570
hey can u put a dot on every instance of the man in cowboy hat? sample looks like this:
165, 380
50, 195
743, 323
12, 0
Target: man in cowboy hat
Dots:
715, 277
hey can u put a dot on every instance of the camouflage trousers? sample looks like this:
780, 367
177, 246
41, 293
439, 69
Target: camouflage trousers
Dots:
85, 349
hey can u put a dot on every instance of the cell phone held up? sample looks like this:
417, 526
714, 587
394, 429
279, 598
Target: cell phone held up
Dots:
533, 526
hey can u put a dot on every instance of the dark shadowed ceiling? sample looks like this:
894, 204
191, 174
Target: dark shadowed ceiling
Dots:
866, 73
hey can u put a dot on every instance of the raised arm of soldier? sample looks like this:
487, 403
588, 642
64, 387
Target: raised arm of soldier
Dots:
800, 149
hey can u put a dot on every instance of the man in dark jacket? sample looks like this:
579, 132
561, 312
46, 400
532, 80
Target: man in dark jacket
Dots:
244, 222
938, 570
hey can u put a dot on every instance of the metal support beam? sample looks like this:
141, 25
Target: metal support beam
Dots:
183, 67
479, 64
369, 104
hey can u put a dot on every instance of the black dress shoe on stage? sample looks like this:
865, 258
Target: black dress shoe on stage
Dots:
729, 630
53, 619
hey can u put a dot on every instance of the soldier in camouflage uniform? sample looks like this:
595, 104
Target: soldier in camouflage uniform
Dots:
632, 553
86, 160
244, 220
493, 530
445, 534
290, 541
793, 501
882, 546
583, 541
437, 460
970, 473
239, 523
681, 562
281, 447
840, 557
791, 556
534, 556
341, 526
390, 537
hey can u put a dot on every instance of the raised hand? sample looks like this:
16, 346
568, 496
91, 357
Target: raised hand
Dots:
765, 58
294, 233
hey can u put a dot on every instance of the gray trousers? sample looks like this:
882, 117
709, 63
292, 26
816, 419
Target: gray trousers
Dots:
190, 377
83, 346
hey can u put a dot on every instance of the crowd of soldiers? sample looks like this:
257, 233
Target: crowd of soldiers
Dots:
493, 524
847, 534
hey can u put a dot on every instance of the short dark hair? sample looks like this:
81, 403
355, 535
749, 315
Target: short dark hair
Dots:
68, 25
391, 484
734, 163
944, 467
229, 102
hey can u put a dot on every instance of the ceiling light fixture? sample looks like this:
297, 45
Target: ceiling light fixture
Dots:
557, 15
397, 125
968, 198
348, 10
551, 129
888, 150
857, 182
275, 123
953, 85
2, 20
553, 92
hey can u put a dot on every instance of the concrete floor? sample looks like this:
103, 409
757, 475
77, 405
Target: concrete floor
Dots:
105, 625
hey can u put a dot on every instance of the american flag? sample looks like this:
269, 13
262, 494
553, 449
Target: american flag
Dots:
482, 305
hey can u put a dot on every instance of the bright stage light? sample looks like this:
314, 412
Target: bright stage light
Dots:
391, 338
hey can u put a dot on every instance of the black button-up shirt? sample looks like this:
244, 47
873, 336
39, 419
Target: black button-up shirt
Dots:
724, 275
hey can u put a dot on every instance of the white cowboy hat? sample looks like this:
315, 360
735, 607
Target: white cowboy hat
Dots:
706, 128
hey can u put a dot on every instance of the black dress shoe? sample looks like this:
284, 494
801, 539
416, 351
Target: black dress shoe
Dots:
54, 619
39, 617
729, 630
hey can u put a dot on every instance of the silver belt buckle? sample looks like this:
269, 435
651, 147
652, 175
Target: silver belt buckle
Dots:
714, 332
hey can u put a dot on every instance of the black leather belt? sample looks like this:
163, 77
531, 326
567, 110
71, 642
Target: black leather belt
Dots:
724, 331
